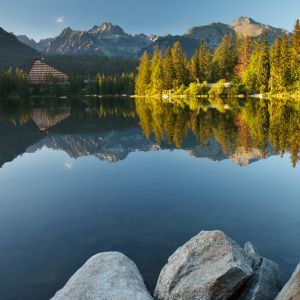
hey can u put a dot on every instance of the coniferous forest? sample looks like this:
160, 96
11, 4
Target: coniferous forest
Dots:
150, 150
240, 65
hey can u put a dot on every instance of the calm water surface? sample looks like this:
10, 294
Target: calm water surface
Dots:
142, 178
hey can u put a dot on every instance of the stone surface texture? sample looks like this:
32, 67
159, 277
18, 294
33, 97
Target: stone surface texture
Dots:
209, 266
291, 291
105, 276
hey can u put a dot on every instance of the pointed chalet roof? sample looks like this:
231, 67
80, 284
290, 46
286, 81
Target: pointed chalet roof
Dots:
39, 70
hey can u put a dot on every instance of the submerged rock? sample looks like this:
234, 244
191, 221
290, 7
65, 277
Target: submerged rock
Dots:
209, 266
105, 276
264, 284
253, 255
291, 291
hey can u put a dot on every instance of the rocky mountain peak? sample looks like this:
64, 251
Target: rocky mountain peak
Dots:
67, 31
108, 27
243, 21
27, 41
248, 27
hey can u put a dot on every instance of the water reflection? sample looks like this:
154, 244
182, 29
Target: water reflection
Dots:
245, 129
58, 210
241, 130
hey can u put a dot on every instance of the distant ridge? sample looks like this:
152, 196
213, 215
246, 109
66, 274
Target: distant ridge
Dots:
106, 39
14, 53
111, 40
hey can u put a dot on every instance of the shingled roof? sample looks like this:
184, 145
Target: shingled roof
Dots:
40, 70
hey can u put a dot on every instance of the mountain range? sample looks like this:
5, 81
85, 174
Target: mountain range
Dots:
111, 40
105, 39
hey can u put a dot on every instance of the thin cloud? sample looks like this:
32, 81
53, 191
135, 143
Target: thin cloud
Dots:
60, 20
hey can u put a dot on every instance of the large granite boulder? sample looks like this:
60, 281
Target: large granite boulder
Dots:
265, 282
211, 266
291, 291
105, 276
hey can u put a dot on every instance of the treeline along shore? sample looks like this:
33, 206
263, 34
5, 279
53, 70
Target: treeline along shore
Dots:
238, 66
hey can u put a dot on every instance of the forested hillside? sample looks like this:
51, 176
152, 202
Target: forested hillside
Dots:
13, 53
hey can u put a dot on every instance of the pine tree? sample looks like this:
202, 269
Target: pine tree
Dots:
285, 61
276, 82
295, 53
232, 55
249, 77
157, 73
205, 57
225, 58
263, 67
155, 58
244, 55
180, 65
195, 66
169, 70
144, 75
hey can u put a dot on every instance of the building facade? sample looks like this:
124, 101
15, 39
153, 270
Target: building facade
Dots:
40, 71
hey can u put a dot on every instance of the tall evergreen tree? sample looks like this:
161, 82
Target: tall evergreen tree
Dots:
263, 67
157, 73
180, 65
144, 75
295, 53
195, 66
225, 58
285, 60
169, 70
244, 55
276, 82
205, 57
249, 77
155, 58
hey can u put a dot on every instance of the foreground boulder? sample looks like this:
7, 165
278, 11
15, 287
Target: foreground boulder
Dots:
209, 266
291, 291
265, 282
105, 276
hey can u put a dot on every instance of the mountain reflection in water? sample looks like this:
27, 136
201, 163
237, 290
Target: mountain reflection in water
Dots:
243, 131
83, 176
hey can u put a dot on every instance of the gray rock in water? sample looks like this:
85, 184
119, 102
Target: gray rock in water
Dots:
105, 276
291, 291
253, 255
211, 266
264, 284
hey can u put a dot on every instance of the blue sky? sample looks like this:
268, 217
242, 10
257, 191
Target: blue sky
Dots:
44, 18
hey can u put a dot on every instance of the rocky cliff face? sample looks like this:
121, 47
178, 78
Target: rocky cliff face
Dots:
105, 39
111, 40
248, 27
211, 34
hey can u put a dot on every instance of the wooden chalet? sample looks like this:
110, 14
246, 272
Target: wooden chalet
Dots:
40, 70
